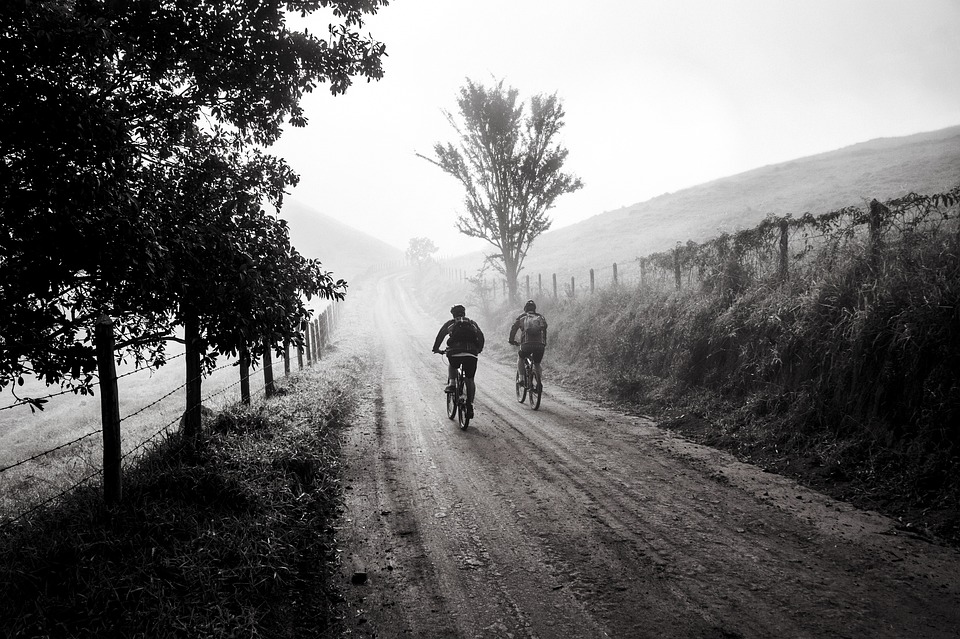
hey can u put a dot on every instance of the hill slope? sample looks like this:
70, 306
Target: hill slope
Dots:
883, 168
344, 250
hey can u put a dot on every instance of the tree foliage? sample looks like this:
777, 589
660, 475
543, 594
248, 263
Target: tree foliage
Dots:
99, 109
510, 163
212, 195
420, 249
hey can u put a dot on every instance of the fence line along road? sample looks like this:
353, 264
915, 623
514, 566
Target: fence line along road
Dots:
317, 334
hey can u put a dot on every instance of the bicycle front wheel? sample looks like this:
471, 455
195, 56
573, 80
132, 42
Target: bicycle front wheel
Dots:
462, 414
536, 390
521, 389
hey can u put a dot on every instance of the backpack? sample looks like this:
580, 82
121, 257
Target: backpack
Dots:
533, 326
462, 331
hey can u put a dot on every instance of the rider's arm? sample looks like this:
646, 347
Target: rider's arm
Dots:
480, 338
441, 335
514, 328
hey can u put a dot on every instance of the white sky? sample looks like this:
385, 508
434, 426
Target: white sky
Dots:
659, 96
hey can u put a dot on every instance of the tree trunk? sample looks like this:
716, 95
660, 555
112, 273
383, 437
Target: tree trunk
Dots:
269, 389
191, 414
511, 272
109, 410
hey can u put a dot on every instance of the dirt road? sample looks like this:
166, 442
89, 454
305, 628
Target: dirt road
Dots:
576, 521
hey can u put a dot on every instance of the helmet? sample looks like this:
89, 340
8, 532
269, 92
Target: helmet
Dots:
458, 310
530, 306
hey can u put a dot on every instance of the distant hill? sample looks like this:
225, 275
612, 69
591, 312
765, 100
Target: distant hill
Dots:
883, 168
342, 249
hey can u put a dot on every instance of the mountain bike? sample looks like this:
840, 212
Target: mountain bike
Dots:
457, 399
531, 387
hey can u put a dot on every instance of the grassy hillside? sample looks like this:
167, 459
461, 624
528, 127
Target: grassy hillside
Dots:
342, 249
883, 169
842, 373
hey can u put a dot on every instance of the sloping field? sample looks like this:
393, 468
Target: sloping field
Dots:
883, 168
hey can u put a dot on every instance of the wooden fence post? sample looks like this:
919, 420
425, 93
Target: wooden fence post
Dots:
591, 282
308, 339
330, 324
268, 386
784, 239
192, 423
614, 274
324, 321
539, 284
286, 356
303, 329
244, 375
876, 220
528, 287
555, 286
676, 266
573, 287
109, 409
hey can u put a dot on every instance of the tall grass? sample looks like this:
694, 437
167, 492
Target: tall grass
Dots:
858, 364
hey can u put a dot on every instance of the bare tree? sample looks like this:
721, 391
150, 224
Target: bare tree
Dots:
510, 164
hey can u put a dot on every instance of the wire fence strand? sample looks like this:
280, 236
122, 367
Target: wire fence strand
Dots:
163, 430
52, 450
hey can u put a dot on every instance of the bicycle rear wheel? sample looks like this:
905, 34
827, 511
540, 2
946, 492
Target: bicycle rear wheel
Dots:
462, 403
521, 389
536, 390
452, 405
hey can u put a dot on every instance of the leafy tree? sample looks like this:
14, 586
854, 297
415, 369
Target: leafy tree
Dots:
223, 248
94, 97
420, 249
510, 164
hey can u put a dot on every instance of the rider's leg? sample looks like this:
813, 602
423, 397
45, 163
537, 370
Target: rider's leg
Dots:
520, 364
537, 358
469, 370
452, 375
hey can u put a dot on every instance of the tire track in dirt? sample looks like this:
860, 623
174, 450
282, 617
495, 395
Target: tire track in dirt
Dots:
578, 521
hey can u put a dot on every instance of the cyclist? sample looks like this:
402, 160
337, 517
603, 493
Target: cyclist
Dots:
533, 337
464, 343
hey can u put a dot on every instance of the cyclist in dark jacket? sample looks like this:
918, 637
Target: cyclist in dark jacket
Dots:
533, 337
464, 343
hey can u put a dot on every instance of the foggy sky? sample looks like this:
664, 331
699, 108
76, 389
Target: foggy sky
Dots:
658, 96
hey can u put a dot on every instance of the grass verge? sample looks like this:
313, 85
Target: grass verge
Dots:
235, 541
846, 382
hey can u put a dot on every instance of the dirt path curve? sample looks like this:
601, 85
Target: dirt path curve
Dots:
575, 521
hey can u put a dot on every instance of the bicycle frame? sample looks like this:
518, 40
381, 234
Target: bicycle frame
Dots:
532, 387
457, 400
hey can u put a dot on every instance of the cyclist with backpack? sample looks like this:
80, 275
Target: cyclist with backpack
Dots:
464, 344
533, 337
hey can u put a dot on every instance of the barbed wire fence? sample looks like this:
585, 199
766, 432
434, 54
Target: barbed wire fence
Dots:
780, 247
317, 335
